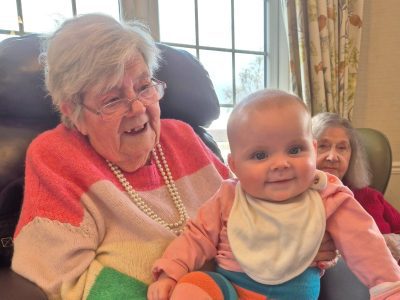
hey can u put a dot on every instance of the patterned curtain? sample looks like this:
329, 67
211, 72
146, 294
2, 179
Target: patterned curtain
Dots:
324, 47
145, 11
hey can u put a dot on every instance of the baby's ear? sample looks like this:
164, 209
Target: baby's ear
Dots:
315, 145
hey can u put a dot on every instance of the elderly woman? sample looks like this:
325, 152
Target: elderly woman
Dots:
111, 186
341, 153
108, 189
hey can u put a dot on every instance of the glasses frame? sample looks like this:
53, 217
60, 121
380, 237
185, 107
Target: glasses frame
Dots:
145, 102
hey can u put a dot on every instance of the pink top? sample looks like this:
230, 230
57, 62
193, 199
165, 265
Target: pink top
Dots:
353, 230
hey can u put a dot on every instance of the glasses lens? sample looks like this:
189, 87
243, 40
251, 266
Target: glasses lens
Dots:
115, 109
152, 93
148, 96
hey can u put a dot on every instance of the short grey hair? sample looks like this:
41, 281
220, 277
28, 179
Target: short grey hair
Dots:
358, 174
92, 50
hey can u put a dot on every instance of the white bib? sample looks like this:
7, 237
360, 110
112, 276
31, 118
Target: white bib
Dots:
276, 241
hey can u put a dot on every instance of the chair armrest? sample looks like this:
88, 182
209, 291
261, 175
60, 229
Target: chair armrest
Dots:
14, 286
340, 283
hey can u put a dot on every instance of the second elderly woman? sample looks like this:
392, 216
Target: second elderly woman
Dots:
341, 153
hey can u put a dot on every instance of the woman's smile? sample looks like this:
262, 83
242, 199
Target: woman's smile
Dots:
137, 130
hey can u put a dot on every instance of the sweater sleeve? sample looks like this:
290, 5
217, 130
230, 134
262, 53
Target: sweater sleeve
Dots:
57, 238
358, 238
198, 243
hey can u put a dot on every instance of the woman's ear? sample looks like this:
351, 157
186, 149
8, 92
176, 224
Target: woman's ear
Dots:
67, 109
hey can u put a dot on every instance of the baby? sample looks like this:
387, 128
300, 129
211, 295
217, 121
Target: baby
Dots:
265, 227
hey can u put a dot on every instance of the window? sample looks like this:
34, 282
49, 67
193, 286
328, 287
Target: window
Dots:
241, 43
18, 17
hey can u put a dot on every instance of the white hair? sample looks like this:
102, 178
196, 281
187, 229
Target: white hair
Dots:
90, 50
358, 174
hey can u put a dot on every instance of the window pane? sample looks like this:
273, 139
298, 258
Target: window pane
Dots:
249, 25
221, 123
45, 15
215, 23
219, 66
8, 15
249, 74
177, 21
5, 36
109, 7
218, 130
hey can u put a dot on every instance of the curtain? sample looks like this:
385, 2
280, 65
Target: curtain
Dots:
145, 11
324, 45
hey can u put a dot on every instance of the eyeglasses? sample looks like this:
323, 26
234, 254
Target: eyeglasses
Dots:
340, 148
120, 106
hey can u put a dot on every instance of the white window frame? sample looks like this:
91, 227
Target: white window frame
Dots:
277, 68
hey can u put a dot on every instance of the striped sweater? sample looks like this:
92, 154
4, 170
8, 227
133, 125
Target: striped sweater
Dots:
80, 235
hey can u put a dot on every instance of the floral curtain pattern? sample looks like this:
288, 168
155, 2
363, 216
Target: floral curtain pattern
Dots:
324, 47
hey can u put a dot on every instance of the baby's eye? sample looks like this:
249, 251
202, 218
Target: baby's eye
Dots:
260, 155
294, 150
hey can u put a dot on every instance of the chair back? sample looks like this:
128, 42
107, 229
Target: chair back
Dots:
379, 155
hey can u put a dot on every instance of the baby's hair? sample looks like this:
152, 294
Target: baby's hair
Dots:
270, 98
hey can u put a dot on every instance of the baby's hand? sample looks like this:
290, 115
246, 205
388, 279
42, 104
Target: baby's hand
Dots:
327, 255
161, 289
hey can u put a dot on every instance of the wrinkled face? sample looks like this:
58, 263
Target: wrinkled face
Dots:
273, 153
334, 151
126, 140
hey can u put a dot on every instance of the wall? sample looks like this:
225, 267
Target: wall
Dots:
378, 91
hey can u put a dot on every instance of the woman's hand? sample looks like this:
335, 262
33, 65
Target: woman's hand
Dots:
161, 289
327, 255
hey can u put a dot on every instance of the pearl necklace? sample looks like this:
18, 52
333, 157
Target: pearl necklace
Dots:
176, 227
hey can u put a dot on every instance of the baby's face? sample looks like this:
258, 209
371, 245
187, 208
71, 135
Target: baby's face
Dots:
273, 153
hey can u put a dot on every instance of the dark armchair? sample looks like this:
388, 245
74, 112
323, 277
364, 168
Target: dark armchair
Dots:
379, 155
26, 111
